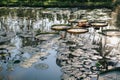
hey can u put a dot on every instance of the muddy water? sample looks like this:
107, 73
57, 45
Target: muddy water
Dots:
29, 56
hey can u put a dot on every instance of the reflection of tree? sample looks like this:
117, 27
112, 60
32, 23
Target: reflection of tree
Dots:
118, 17
104, 50
21, 2
48, 2
30, 2
8, 2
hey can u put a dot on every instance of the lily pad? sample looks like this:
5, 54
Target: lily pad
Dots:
72, 20
82, 20
41, 66
4, 52
77, 21
2, 33
60, 27
16, 61
99, 24
77, 30
112, 74
111, 32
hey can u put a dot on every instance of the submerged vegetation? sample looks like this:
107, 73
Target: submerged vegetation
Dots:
57, 3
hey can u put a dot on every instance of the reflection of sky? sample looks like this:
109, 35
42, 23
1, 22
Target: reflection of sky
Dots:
17, 42
52, 73
114, 40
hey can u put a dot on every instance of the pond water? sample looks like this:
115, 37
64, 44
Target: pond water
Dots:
30, 50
